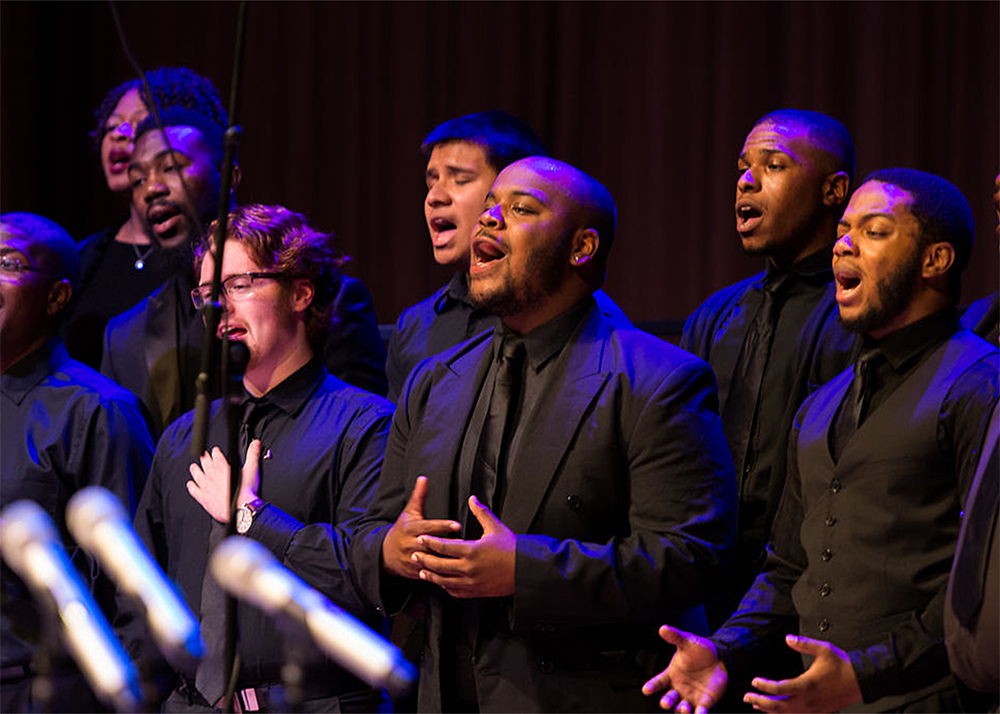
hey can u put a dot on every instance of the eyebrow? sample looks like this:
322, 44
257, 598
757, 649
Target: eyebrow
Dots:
869, 216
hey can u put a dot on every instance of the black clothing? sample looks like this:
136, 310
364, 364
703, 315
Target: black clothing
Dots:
621, 495
861, 546
445, 319
807, 349
64, 427
154, 349
110, 284
321, 454
983, 318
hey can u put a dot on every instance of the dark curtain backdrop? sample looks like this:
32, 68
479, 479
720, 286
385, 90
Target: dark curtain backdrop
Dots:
652, 98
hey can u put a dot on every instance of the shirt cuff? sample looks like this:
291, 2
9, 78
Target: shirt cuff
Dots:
274, 529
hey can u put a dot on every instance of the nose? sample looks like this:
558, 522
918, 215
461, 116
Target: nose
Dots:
125, 130
153, 187
492, 217
844, 245
746, 181
437, 195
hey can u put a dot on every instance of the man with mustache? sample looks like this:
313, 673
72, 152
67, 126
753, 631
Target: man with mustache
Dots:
550, 484
880, 461
464, 156
154, 349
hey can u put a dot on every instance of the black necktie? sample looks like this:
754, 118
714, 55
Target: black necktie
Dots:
210, 676
863, 385
740, 412
488, 470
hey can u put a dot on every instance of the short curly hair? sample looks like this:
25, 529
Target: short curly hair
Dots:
171, 87
282, 240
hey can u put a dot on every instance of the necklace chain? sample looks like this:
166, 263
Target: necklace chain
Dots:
140, 258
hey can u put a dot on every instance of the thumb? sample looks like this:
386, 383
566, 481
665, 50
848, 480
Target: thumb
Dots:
806, 645
251, 468
487, 520
673, 636
415, 506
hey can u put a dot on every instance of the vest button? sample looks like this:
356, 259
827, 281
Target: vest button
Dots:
574, 502
835, 486
824, 625
546, 666
826, 555
824, 590
830, 520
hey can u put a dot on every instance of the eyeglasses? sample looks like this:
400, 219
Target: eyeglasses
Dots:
235, 288
13, 267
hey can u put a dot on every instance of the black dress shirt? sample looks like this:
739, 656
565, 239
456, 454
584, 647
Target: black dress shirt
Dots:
808, 349
861, 544
445, 319
322, 443
64, 427
983, 318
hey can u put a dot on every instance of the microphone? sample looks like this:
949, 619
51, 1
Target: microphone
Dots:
247, 569
100, 524
32, 548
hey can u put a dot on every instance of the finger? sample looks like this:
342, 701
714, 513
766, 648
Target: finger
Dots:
421, 527
656, 683
217, 455
670, 699
445, 546
450, 567
250, 474
484, 515
253, 453
195, 491
765, 704
672, 635
806, 645
449, 585
684, 707
769, 686
195, 470
415, 506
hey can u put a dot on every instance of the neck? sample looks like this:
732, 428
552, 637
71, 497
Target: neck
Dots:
549, 308
813, 239
10, 356
924, 303
132, 230
265, 374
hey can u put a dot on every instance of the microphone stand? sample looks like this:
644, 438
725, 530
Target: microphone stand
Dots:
233, 367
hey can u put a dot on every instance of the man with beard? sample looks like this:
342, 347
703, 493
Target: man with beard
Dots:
154, 349
880, 461
464, 156
773, 337
551, 484
65, 427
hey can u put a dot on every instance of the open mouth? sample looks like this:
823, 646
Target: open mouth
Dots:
118, 160
485, 251
164, 218
748, 217
231, 332
442, 231
848, 282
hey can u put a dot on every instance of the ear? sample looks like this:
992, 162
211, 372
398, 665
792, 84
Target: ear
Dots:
585, 245
938, 259
836, 186
59, 295
302, 293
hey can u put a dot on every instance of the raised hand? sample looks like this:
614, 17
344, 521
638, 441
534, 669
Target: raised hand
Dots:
400, 543
695, 679
210, 484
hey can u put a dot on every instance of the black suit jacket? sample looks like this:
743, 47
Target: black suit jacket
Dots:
624, 511
154, 349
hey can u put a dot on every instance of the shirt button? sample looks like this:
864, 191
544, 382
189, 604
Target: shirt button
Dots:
574, 502
835, 486
824, 589
546, 666
830, 520
826, 554
824, 625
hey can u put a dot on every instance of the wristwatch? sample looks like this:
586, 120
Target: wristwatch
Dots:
246, 513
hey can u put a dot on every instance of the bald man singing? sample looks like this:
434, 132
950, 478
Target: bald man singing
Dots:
551, 484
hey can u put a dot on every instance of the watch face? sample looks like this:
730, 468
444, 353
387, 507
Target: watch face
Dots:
243, 520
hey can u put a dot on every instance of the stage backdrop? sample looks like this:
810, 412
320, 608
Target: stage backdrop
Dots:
654, 99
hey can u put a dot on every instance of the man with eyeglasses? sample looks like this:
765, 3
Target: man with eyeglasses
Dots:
64, 427
313, 447
154, 349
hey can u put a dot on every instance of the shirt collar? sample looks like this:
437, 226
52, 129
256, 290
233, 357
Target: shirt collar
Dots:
294, 390
457, 290
815, 265
24, 376
907, 343
545, 341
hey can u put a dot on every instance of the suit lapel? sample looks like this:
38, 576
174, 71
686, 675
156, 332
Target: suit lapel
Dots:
546, 434
452, 397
